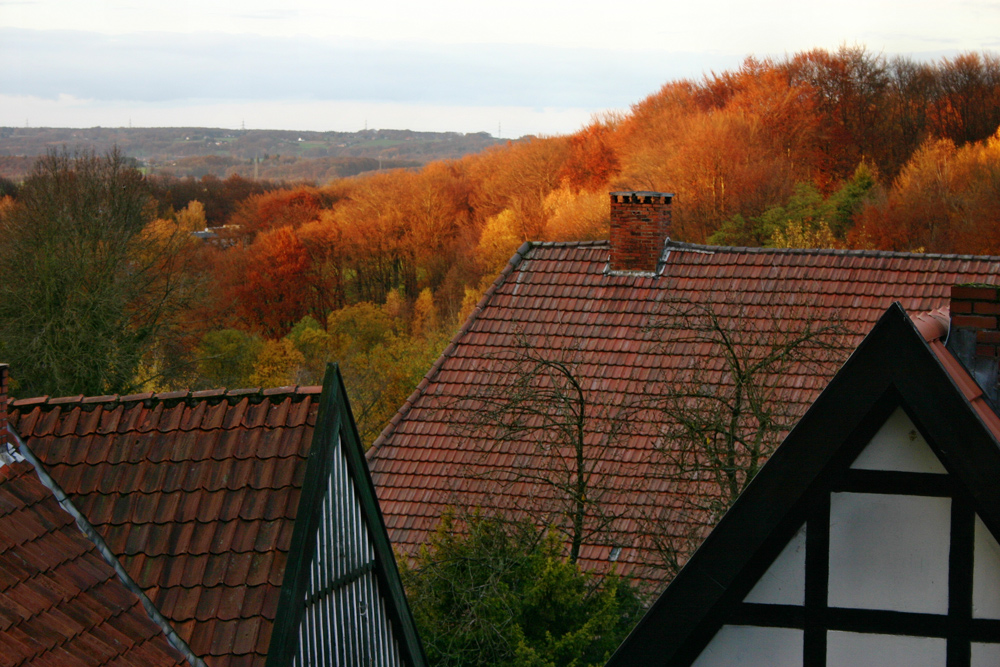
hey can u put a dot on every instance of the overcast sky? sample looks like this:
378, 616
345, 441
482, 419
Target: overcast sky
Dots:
514, 68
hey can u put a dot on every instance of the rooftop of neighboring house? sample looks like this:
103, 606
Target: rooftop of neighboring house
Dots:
61, 602
246, 519
630, 332
195, 493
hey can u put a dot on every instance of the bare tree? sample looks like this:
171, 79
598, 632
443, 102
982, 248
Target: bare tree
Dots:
550, 432
724, 413
665, 458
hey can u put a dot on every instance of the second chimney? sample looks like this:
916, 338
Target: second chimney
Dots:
640, 224
974, 337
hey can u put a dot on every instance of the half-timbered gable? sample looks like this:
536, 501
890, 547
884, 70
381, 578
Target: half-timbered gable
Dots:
869, 538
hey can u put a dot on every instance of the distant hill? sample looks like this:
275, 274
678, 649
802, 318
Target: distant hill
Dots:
266, 154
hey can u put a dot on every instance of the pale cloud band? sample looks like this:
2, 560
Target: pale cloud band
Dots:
346, 116
62, 77
535, 66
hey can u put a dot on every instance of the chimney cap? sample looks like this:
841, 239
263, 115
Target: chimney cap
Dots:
642, 193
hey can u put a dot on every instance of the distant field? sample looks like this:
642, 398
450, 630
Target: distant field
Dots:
271, 154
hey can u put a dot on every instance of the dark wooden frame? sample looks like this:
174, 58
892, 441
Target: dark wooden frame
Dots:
335, 420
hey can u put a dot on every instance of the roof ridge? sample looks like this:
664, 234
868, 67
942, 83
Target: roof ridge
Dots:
759, 250
233, 396
512, 264
849, 252
567, 244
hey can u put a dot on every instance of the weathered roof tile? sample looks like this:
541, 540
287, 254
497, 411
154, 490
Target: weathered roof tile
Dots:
173, 481
67, 607
562, 300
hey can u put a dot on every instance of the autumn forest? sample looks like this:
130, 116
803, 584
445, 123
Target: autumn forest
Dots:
845, 149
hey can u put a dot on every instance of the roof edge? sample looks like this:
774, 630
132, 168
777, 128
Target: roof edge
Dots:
512, 265
758, 250
232, 396
90, 533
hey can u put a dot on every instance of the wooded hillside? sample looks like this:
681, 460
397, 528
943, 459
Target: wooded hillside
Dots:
841, 149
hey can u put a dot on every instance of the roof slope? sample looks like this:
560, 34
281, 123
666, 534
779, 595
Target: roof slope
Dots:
60, 602
561, 300
195, 493
900, 364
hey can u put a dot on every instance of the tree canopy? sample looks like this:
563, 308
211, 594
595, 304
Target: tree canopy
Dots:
86, 287
500, 593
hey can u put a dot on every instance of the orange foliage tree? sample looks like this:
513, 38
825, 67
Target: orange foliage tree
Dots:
278, 208
946, 199
270, 283
592, 157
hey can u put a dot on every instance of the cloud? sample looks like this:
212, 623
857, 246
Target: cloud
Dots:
156, 67
269, 15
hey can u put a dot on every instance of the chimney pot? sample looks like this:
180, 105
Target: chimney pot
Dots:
640, 226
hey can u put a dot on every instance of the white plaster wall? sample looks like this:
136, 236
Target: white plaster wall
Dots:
784, 582
985, 655
853, 649
889, 552
748, 646
899, 446
986, 575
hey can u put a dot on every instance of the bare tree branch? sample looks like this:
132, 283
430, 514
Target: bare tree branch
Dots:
725, 412
545, 430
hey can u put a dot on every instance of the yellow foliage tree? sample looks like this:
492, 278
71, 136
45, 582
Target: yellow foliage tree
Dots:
499, 240
798, 234
277, 364
191, 218
576, 216
425, 318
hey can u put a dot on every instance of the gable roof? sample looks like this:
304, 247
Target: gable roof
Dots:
195, 493
220, 505
61, 603
900, 364
562, 299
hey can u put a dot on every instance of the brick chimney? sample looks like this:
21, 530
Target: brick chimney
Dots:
640, 224
974, 337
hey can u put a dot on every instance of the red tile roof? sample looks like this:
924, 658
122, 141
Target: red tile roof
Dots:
196, 493
61, 604
562, 299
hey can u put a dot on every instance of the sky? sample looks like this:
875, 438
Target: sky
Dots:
514, 68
